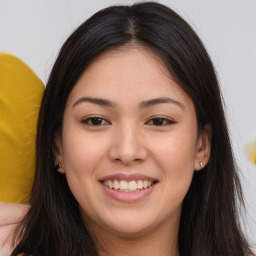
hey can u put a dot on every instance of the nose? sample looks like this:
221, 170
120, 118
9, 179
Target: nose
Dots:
127, 146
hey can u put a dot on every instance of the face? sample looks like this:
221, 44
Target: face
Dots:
130, 144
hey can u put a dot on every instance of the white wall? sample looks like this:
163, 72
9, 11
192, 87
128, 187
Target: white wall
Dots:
34, 30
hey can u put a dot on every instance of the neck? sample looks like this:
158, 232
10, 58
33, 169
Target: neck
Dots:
163, 241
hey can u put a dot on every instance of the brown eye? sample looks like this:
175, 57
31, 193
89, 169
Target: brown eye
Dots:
159, 121
95, 121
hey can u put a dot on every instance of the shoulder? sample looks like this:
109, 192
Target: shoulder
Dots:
6, 235
10, 217
12, 213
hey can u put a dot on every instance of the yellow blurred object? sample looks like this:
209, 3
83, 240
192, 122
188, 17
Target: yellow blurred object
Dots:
250, 152
20, 98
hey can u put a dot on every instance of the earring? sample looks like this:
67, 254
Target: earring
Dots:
201, 164
58, 166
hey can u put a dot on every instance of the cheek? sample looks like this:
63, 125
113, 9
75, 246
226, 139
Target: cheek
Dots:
82, 155
175, 154
175, 157
82, 152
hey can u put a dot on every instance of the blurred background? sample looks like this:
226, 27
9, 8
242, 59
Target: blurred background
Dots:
34, 31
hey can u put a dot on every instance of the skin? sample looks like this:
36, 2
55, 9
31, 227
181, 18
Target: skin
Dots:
127, 140
10, 216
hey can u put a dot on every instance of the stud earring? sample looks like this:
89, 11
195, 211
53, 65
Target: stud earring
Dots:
58, 166
201, 164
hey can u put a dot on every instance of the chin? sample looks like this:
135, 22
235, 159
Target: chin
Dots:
133, 230
130, 225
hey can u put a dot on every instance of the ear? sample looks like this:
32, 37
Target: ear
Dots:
58, 154
203, 148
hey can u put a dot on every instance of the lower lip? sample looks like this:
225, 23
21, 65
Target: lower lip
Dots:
127, 197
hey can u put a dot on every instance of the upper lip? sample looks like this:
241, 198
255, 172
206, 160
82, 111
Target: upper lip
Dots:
128, 177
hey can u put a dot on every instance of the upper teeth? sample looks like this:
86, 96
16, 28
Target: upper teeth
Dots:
127, 186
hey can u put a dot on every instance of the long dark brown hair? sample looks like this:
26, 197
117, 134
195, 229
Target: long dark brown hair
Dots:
209, 220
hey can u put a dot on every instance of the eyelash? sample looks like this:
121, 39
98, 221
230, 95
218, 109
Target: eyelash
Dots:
89, 121
163, 121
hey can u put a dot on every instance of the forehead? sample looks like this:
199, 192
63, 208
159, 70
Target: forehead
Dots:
127, 73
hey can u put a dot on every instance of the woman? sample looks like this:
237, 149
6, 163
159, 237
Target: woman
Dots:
133, 153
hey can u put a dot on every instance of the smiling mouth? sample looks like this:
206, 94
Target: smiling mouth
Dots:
128, 186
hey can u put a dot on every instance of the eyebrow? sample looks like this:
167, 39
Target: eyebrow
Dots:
152, 102
98, 101
143, 104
